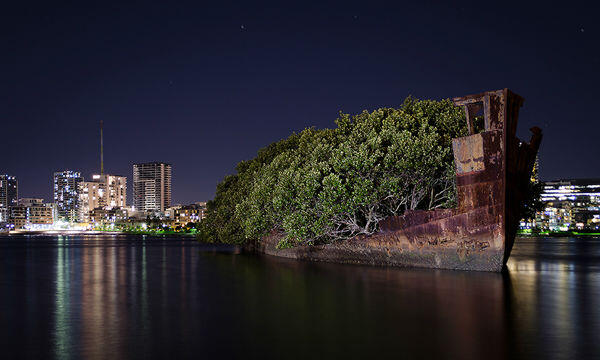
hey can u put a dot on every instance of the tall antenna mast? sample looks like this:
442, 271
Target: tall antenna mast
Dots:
101, 149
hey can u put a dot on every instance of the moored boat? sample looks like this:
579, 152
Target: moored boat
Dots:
493, 168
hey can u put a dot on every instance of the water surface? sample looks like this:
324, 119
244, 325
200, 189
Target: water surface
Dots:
122, 297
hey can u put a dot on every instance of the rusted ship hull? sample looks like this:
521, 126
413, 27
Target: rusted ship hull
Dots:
493, 169
393, 250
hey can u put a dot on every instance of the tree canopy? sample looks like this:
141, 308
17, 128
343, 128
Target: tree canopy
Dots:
323, 185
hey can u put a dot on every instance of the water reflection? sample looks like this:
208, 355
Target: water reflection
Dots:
556, 288
62, 329
355, 310
121, 297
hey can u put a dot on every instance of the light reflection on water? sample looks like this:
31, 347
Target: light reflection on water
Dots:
124, 297
556, 292
62, 306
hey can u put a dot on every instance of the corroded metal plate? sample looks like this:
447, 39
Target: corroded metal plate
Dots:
468, 154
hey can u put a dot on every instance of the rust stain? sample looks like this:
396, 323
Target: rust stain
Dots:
468, 154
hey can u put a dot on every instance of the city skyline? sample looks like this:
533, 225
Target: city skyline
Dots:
88, 183
233, 80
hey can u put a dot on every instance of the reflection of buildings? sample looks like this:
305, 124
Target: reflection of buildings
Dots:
152, 186
183, 214
9, 194
104, 317
66, 195
31, 214
572, 204
104, 192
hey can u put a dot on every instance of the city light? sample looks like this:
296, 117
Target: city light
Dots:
568, 205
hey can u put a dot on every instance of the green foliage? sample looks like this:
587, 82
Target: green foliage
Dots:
533, 200
222, 224
330, 184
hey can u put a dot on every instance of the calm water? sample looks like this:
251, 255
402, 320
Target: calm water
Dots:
119, 297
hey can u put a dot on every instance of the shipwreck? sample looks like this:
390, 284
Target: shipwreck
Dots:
493, 168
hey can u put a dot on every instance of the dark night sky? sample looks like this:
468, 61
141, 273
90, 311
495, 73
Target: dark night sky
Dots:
203, 86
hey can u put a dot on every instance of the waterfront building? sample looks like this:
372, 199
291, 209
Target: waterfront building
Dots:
9, 195
103, 192
103, 217
570, 204
31, 214
66, 195
152, 186
183, 214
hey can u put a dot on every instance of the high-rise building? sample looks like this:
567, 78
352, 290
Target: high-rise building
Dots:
66, 195
103, 192
152, 186
9, 195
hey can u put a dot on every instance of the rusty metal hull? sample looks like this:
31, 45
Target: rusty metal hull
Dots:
493, 169
396, 250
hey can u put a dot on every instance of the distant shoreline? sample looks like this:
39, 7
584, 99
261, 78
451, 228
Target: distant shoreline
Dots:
97, 232
557, 234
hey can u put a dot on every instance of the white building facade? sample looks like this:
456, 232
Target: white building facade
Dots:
103, 192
